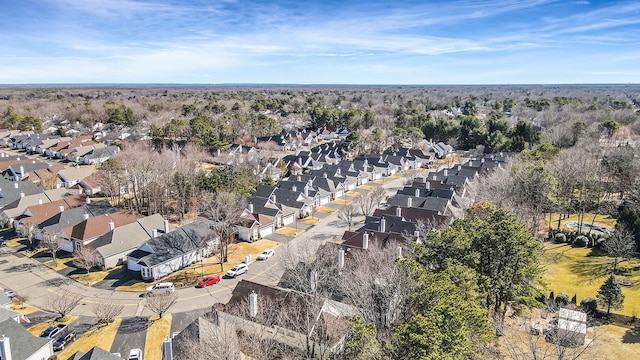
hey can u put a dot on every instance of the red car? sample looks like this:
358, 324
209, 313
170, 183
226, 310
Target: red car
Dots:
209, 280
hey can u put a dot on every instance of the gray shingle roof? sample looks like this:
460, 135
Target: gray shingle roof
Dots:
22, 343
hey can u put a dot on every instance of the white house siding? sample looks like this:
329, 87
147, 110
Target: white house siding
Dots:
115, 259
67, 245
173, 265
286, 220
267, 230
132, 264
338, 193
324, 200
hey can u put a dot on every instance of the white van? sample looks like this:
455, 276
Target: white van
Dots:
161, 288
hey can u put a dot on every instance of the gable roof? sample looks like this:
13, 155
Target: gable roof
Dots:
99, 225
128, 236
95, 353
76, 215
23, 344
176, 243
44, 211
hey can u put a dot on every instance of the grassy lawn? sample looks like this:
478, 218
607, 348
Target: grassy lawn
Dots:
156, 333
605, 220
309, 220
25, 309
353, 194
90, 278
367, 187
582, 271
616, 342
37, 329
17, 242
379, 181
326, 210
101, 337
289, 231
341, 202
59, 264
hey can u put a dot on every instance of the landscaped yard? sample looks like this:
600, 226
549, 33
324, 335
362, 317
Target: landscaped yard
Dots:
605, 220
90, 278
156, 333
341, 202
310, 220
237, 254
289, 231
367, 187
326, 210
353, 194
581, 271
59, 264
101, 337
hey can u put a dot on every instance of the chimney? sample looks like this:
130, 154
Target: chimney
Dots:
417, 192
325, 175
459, 167
399, 252
253, 304
15, 185
445, 172
87, 200
294, 188
112, 225
398, 211
409, 202
21, 171
300, 161
501, 154
365, 240
471, 163
154, 233
21, 194
306, 190
167, 349
39, 201
427, 185
165, 224
250, 208
299, 177
61, 208
218, 151
5, 348
383, 225
416, 235
85, 216
340, 258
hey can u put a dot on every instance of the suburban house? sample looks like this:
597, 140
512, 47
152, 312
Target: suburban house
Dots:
415, 215
99, 155
95, 353
16, 343
35, 214
440, 150
90, 229
298, 322
55, 225
11, 191
168, 252
254, 225
114, 246
15, 208
90, 185
5, 311
291, 199
73, 175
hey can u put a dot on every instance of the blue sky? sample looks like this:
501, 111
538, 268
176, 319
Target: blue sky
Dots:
319, 42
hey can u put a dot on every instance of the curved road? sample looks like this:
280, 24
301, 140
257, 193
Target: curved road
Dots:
27, 276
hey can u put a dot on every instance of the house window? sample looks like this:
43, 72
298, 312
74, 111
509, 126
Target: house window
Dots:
78, 245
144, 271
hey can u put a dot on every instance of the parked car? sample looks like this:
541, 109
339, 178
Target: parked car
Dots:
237, 270
135, 354
10, 293
63, 340
208, 280
160, 288
266, 254
53, 331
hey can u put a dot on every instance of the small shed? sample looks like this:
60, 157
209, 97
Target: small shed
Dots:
572, 326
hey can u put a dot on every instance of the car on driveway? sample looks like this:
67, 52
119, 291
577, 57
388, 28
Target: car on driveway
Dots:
266, 254
135, 354
10, 293
53, 331
237, 270
208, 280
64, 340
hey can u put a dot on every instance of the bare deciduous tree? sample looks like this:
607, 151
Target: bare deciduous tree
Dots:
106, 312
28, 231
620, 246
21, 299
213, 339
348, 214
160, 303
52, 243
223, 209
62, 304
86, 258
366, 203
379, 195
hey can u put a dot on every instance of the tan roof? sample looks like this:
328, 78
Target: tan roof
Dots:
98, 225
130, 236
76, 173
